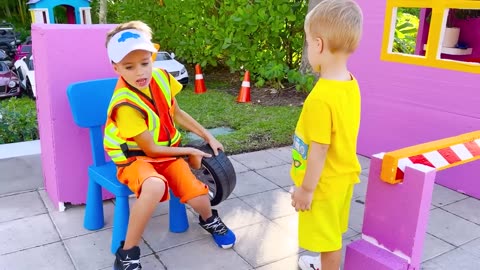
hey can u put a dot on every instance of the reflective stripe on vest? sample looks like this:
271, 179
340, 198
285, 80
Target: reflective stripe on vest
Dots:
123, 150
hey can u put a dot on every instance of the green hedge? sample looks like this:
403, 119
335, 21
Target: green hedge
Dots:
18, 120
255, 35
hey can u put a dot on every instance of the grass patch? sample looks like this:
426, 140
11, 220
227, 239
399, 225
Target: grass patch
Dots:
256, 127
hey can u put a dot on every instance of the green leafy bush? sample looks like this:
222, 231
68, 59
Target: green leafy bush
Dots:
406, 30
18, 120
414, 11
255, 35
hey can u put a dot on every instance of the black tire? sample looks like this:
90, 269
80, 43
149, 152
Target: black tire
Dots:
19, 73
217, 173
29, 90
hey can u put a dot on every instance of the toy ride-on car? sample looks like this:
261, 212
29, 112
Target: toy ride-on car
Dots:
8, 39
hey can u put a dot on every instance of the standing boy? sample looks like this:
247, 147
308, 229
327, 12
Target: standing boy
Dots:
325, 166
143, 141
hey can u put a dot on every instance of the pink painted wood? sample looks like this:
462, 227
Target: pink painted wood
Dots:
65, 54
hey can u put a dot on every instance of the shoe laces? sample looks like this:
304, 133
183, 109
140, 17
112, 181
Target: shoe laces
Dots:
131, 264
216, 226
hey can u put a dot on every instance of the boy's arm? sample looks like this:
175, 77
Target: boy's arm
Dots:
187, 122
315, 163
132, 125
303, 195
146, 143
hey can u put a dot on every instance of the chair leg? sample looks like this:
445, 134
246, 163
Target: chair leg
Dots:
93, 219
177, 215
120, 221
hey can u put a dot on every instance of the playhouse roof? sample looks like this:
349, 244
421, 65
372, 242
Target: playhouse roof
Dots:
36, 1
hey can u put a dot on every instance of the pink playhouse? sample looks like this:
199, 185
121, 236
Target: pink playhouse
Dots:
411, 98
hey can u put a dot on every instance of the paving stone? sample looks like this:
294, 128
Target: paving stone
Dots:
21, 205
287, 263
92, 251
272, 204
46, 200
450, 228
455, 259
46, 257
159, 237
202, 255
236, 214
357, 210
27, 233
443, 196
22, 173
279, 175
250, 183
434, 247
472, 247
360, 189
259, 160
283, 153
239, 167
70, 221
468, 209
264, 243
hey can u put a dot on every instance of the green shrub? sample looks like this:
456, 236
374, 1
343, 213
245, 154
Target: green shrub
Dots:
406, 31
18, 120
414, 11
255, 35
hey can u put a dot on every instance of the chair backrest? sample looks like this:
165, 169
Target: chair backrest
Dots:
89, 102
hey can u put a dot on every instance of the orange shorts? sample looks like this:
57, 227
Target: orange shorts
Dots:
176, 174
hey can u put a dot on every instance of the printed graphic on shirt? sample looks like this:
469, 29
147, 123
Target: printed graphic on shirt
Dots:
300, 151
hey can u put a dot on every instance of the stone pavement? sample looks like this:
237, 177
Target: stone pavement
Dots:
34, 236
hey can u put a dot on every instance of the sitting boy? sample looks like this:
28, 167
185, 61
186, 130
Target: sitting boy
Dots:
143, 141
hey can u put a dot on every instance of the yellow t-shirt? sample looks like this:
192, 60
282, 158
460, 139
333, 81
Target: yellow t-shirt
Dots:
130, 122
330, 115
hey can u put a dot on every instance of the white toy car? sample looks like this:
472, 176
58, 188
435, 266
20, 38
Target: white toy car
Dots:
26, 74
167, 62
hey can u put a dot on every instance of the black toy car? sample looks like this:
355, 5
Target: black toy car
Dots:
8, 39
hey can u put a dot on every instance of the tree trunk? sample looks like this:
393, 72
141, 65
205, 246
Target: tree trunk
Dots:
305, 66
8, 14
102, 12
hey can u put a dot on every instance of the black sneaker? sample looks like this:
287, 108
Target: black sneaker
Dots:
222, 235
127, 259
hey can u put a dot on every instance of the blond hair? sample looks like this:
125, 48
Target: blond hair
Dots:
137, 25
338, 23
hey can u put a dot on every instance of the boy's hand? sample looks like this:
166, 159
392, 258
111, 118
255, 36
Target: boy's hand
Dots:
302, 199
195, 158
215, 144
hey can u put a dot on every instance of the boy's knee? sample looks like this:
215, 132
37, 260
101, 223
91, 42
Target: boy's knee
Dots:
154, 187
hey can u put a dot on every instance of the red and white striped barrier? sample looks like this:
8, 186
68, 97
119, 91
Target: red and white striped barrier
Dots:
440, 155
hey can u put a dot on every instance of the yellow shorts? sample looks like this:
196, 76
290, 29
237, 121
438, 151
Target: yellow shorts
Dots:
321, 228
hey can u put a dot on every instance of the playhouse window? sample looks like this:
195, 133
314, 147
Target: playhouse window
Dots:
85, 16
40, 15
421, 34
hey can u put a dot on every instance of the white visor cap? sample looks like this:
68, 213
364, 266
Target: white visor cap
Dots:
126, 41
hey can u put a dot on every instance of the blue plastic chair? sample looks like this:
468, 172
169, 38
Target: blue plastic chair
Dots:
89, 103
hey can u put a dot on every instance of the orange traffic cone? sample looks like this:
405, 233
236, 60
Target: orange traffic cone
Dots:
199, 82
244, 95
